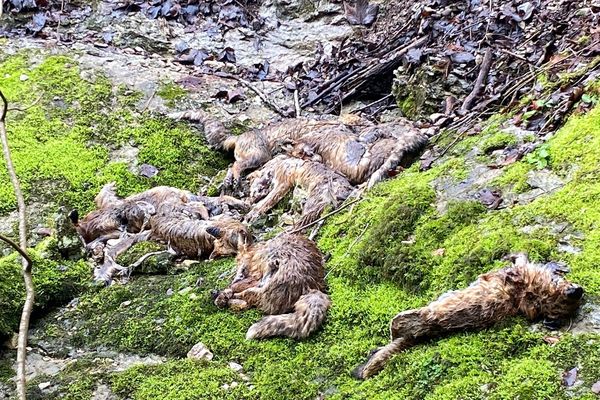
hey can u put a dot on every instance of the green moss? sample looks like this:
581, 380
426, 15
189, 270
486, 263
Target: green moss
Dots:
172, 93
76, 381
180, 380
6, 371
514, 177
497, 141
408, 106
55, 283
61, 146
391, 252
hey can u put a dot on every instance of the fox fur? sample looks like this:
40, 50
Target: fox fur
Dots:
196, 238
528, 289
115, 215
352, 146
367, 156
277, 177
284, 278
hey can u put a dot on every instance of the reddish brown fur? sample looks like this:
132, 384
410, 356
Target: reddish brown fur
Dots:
527, 289
353, 146
283, 277
133, 213
277, 177
367, 155
196, 238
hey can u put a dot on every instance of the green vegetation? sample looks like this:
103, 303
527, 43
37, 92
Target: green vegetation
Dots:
499, 140
55, 282
171, 92
61, 145
61, 149
391, 252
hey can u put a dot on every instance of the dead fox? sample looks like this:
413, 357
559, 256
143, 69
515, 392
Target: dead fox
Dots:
283, 277
532, 290
353, 146
185, 235
254, 148
115, 215
370, 155
277, 177
195, 238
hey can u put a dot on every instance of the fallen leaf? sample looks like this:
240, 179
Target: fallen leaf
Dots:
490, 198
148, 171
439, 252
227, 55
569, 377
551, 340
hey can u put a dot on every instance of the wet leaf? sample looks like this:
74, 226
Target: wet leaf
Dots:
570, 377
462, 57
490, 198
37, 22
148, 171
227, 55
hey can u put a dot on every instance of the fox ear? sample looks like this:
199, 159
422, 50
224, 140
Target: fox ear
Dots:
214, 231
74, 216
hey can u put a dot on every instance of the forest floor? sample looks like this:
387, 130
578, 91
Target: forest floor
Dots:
516, 171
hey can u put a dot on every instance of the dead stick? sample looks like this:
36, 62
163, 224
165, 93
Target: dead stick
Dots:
297, 103
26, 262
483, 72
324, 217
29, 106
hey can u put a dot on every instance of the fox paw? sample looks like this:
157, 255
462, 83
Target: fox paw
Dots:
222, 298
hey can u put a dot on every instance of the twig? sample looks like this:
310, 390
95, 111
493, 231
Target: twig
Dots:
363, 108
28, 107
324, 217
297, 103
16, 247
357, 239
260, 94
148, 101
483, 73
25, 261
143, 258
1, 7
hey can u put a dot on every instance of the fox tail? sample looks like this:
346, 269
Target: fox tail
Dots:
309, 313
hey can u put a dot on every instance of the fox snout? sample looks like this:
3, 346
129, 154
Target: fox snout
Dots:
575, 292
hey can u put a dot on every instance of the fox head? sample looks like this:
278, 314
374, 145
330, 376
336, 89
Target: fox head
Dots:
545, 292
230, 235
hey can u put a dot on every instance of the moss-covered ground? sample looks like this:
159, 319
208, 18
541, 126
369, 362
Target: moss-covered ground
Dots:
61, 141
391, 252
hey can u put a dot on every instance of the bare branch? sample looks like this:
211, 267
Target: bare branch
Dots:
25, 260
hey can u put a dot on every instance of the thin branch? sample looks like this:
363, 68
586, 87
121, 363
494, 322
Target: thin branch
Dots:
26, 261
16, 247
297, 103
483, 73
324, 217
26, 108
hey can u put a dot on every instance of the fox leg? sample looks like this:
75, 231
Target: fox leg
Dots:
278, 192
251, 296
